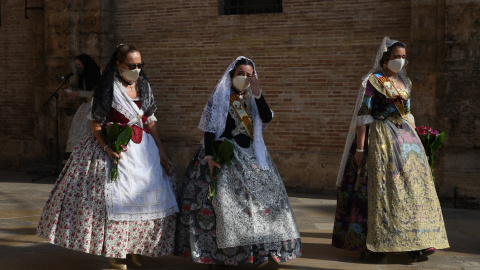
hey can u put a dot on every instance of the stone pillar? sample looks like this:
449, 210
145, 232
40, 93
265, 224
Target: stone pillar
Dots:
70, 29
427, 68
461, 108
445, 58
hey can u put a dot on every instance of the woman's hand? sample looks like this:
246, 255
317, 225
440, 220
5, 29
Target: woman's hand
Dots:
96, 128
72, 94
211, 165
163, 157
164, 161
254, 85
112, 153
359, 156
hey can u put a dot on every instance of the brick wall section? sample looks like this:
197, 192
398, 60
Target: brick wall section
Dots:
17, 97
40, 49
310, 60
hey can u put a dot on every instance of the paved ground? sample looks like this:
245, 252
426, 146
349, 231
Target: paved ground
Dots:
21, 202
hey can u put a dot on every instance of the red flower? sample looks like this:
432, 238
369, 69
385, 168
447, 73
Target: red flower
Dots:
423, 130
124, 148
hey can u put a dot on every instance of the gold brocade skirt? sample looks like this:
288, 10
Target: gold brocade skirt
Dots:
404, 213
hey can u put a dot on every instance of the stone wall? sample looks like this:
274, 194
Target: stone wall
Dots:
21, 74
461, 100
310, 60
39, 49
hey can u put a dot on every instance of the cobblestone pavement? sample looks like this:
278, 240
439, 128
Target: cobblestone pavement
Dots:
21, 202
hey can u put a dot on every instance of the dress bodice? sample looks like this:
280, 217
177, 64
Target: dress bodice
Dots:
234, 128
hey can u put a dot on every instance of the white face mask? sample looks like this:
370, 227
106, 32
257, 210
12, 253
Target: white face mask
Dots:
131, 75
396, 65
240, 83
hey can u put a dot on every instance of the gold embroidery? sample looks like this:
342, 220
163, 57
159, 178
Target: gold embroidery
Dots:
242, 114
404, 213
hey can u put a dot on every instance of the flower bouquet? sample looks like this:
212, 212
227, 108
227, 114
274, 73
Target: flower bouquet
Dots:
117, 136
222, 154
432, 141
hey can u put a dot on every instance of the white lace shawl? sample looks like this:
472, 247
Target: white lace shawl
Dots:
120, 104
358, 121
214, 116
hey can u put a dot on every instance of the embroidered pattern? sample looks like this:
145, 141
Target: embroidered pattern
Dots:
242, 113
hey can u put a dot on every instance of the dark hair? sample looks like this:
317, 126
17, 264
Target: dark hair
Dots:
241, 62
91, 74
123, 50
386, 55
102, 99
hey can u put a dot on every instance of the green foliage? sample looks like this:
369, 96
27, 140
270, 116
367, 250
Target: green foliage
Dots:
223, 155
116, 136
432, 140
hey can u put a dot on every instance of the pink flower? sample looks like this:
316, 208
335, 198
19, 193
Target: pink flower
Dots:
434, 133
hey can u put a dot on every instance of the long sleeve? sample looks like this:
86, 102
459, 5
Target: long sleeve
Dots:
263, 110
85, 94
208, 138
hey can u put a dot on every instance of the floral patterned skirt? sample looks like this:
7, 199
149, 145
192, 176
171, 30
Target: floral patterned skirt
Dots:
75, 214
198, 228
404, 213
350, 226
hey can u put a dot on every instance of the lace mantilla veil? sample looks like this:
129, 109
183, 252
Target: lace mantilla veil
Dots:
214, 116
387, 42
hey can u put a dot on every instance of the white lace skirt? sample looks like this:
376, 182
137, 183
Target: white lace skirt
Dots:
142, 190
80, 126
252, 205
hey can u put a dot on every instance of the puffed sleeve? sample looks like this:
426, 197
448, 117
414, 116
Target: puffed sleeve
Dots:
364, 116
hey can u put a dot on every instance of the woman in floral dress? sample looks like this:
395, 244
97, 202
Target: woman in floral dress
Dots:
135, 214
388, 202
249, 219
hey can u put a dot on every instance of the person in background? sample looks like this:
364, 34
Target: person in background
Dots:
88, 74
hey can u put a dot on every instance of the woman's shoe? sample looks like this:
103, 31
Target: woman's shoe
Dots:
417, 256
117, 263
428, 251
135, 260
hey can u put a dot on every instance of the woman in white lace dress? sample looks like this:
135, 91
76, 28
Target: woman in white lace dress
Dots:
135, 214
250, 219
89, 74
